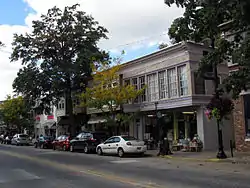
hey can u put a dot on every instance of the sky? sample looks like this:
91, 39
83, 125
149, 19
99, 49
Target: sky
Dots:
135, 26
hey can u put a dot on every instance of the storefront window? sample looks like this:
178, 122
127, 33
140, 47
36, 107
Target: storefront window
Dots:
246, 99
172, 82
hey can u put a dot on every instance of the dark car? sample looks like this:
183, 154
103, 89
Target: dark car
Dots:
44, 142
87, 141
62, 143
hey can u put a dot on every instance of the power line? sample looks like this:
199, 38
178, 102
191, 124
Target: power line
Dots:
118, 46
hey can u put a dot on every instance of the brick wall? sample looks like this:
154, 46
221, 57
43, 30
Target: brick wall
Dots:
239, 126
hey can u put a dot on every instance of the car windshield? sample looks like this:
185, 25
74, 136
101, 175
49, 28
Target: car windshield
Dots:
129, 138
23, 135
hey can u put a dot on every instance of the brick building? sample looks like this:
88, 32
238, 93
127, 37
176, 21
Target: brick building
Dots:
241, 113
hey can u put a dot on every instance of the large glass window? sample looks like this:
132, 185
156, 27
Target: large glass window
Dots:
152, 87
163, 85
135, 84
142, 85
246, 99
172, 82
183, 81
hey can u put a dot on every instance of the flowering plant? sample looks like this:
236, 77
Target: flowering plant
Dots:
219, 108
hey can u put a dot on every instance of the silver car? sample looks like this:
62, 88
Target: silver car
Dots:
20, 139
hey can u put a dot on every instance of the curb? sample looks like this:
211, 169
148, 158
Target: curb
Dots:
215, 160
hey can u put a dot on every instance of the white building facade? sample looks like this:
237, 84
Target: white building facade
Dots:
175, 92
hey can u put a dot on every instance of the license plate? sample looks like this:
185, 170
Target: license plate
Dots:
138, 148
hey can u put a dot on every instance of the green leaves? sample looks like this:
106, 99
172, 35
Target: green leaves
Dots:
57, 55
15, 112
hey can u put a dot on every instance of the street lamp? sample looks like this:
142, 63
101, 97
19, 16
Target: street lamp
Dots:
221, 154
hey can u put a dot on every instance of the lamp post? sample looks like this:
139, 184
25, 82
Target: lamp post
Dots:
221, 154
156, 117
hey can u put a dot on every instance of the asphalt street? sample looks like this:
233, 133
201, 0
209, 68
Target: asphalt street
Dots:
29, 167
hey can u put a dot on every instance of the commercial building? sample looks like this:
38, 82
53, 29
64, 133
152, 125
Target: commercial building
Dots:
175, 93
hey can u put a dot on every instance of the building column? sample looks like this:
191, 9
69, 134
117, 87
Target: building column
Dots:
176, 128
187, 126
207, 130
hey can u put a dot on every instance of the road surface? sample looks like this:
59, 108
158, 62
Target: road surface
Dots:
27, 167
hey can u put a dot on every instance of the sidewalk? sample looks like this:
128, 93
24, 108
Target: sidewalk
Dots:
205, 156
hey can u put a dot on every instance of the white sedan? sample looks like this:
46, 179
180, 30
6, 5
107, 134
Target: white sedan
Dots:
121, 145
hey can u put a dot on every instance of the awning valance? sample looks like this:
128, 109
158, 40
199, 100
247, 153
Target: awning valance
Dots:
96, 120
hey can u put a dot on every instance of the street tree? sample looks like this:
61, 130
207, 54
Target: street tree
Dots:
16, 113
200, 23
108, 94
57, 57
162, 45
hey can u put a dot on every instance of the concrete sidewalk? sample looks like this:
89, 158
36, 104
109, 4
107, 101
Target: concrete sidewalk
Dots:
205, 156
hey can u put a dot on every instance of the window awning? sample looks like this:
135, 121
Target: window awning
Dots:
96, 120
49, 124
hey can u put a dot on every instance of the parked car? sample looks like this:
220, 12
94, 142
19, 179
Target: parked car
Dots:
20, 139
44, 142
7, 140
87, 141
61, 143
121, 145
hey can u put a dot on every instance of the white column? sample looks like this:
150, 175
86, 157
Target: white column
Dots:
141, 128
207, 130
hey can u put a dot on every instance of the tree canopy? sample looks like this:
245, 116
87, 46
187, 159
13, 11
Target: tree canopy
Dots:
107, 93
16, 113
57, 56
201, 22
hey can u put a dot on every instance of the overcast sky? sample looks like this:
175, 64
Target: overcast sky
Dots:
136, 26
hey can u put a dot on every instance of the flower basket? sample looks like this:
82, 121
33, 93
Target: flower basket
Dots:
219, 108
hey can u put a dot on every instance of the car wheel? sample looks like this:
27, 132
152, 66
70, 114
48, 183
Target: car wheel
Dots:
71, 148
99, 151
120, 152
86, 149
64, 148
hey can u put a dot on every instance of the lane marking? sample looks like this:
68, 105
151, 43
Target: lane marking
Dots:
103, 175
124, 161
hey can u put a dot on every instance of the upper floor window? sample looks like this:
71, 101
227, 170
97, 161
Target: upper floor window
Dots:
172, 82
183, 81
199, 84
163, 85
135, 84
141, 86
126, 82
152, 83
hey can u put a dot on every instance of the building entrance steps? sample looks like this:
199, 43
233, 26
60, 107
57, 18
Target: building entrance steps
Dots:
205, 156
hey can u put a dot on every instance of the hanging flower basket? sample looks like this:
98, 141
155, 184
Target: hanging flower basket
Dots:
219, 108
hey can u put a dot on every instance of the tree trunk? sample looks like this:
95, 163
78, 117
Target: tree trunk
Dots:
69, 113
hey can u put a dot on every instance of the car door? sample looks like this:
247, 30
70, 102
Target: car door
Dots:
76, 141
107, 145
61, 141
13, 141
114, 145
56, 142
